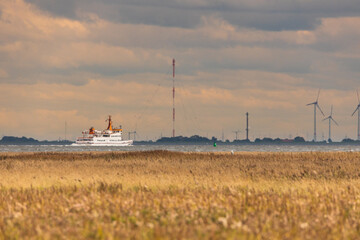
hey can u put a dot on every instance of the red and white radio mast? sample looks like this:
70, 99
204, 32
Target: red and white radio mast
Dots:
173, 133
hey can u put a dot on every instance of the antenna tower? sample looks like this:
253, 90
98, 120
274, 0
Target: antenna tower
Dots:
134, 135
247, 126
173, 133
236, 134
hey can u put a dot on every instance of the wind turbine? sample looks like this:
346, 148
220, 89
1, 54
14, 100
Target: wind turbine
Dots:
330, 118
358, 110
316, 105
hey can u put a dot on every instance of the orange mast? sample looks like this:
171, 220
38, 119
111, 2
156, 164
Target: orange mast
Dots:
110, 124
92, 130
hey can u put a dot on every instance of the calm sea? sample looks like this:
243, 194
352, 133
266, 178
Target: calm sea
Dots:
188, 148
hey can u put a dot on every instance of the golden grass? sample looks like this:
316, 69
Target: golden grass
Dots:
167, 195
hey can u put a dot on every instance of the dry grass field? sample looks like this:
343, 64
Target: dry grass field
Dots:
167, 195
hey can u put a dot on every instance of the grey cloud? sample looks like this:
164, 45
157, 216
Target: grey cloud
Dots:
265, 15
63, 8
351, 65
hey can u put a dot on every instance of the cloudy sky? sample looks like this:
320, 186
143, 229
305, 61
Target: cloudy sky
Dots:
77, 61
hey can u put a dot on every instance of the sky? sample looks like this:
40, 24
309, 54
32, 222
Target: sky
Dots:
78, 61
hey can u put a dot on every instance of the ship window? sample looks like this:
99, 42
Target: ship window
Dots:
105, 135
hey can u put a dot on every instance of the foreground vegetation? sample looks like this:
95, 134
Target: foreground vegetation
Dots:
159, 194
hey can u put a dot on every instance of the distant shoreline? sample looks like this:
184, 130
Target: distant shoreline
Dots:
19, 141
186, 141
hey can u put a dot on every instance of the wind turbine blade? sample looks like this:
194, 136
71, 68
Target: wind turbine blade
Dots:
357, 108
318, 95
357, 92
310, 104
320, 109
326, 118
334, 121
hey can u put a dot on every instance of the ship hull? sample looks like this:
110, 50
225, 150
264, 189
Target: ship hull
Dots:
123, 143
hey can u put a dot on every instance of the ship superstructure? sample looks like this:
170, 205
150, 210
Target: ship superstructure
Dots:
108, 137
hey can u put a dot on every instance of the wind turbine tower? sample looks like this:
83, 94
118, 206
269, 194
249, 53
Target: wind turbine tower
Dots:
316, 105
330, 118
358, 110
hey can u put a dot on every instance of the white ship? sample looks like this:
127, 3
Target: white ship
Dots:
108, 137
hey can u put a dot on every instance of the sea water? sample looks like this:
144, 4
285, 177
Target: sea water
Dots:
186, 148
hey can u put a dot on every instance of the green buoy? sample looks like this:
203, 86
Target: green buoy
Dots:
214, 144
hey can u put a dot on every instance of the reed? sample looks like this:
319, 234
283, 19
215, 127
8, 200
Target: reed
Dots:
170, 195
